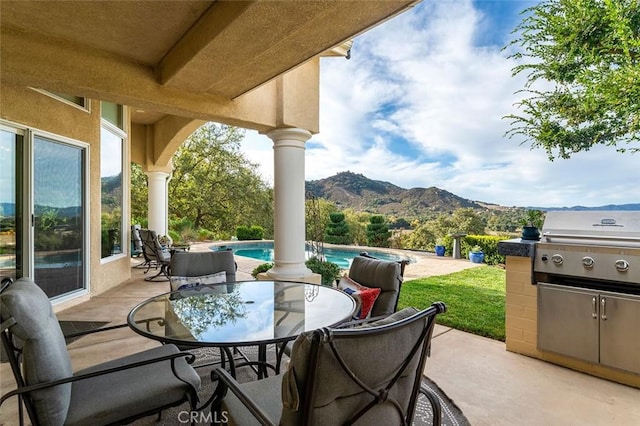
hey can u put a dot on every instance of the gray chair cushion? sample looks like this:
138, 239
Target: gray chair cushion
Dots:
44, 348
116, 396
264, 392
189, 264
337, 398
382, 274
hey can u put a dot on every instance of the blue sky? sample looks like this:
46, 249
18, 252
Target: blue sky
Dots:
420, 104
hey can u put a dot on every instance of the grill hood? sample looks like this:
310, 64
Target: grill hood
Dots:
608, 228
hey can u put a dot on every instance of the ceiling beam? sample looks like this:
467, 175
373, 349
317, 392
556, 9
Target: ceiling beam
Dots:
60, 66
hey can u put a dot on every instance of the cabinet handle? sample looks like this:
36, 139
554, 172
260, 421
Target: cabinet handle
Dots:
603, 310
594, 306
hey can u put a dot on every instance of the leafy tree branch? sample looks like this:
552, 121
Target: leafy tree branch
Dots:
582, 63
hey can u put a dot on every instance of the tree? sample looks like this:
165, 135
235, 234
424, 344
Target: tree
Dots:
378, 233
585, 55
421, 238
317, 211
468, 221
139, 195
337, 230
215, 187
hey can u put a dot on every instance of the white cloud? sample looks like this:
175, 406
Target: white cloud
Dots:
421, 79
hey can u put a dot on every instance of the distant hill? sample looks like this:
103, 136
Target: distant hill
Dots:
352, 190
356, 191
619, 207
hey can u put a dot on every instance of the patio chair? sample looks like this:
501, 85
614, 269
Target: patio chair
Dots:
386, 275
200, 268
366, 375
371, 272
136, 242
114, 392
201, 264
155, 254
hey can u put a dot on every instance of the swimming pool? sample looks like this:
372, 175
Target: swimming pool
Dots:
340, 256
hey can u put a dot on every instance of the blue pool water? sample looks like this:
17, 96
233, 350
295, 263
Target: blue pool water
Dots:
342, 257
47, 260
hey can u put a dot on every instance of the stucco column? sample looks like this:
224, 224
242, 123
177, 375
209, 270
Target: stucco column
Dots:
158, 202
289, 197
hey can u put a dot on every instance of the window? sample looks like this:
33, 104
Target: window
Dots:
76, 101
112, 139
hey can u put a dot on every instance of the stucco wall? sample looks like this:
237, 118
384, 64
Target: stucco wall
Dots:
32, 109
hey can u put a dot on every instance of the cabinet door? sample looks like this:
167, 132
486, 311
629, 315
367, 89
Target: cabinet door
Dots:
620, 332
568, 321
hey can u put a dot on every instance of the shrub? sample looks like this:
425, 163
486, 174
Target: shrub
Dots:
181, 224
260, 269
328, 270
187, 234
378, 233
488, 244
249, 233
337, 231
175, 237
142, 221
205, 235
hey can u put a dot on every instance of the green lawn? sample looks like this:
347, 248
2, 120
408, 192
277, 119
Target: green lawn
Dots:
474, 297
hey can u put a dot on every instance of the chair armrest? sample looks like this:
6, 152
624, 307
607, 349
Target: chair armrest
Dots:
226, 381
353, 323
160, 321
75, 378
96, 330
381, 319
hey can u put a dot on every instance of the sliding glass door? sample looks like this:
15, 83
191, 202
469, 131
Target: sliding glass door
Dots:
11, 205
58, 216
43, 210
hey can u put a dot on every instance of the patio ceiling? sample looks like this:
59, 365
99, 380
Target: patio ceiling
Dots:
173, 57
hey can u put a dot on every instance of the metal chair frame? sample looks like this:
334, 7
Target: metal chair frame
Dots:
153, 259
379, 394
14, 354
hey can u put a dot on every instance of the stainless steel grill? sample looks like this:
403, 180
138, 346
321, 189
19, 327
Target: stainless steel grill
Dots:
587, 269
594, 245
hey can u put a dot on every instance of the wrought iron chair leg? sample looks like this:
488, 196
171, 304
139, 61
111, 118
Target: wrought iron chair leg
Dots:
435, 404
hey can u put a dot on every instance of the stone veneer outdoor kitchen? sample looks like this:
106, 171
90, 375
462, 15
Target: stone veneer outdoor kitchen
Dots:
522, 315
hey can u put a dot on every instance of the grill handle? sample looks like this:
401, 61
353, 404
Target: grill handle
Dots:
603, 311
594, 307
550, 236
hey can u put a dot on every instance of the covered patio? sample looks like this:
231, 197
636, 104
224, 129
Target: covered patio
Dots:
121, 82
151, 73
491, 385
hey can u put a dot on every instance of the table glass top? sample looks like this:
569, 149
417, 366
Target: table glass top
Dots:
233, 314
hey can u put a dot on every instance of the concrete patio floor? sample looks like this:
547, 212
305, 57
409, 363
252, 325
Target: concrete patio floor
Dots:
490, 385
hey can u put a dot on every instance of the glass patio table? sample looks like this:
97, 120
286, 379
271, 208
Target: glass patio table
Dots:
244, 313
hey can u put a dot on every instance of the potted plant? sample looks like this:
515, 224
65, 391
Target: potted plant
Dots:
531, 224
440, 248
476, 255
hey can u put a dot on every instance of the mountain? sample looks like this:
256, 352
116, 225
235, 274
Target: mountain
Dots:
619, 207
356, 191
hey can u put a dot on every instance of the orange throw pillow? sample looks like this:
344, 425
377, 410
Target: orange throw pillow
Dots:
364, 296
